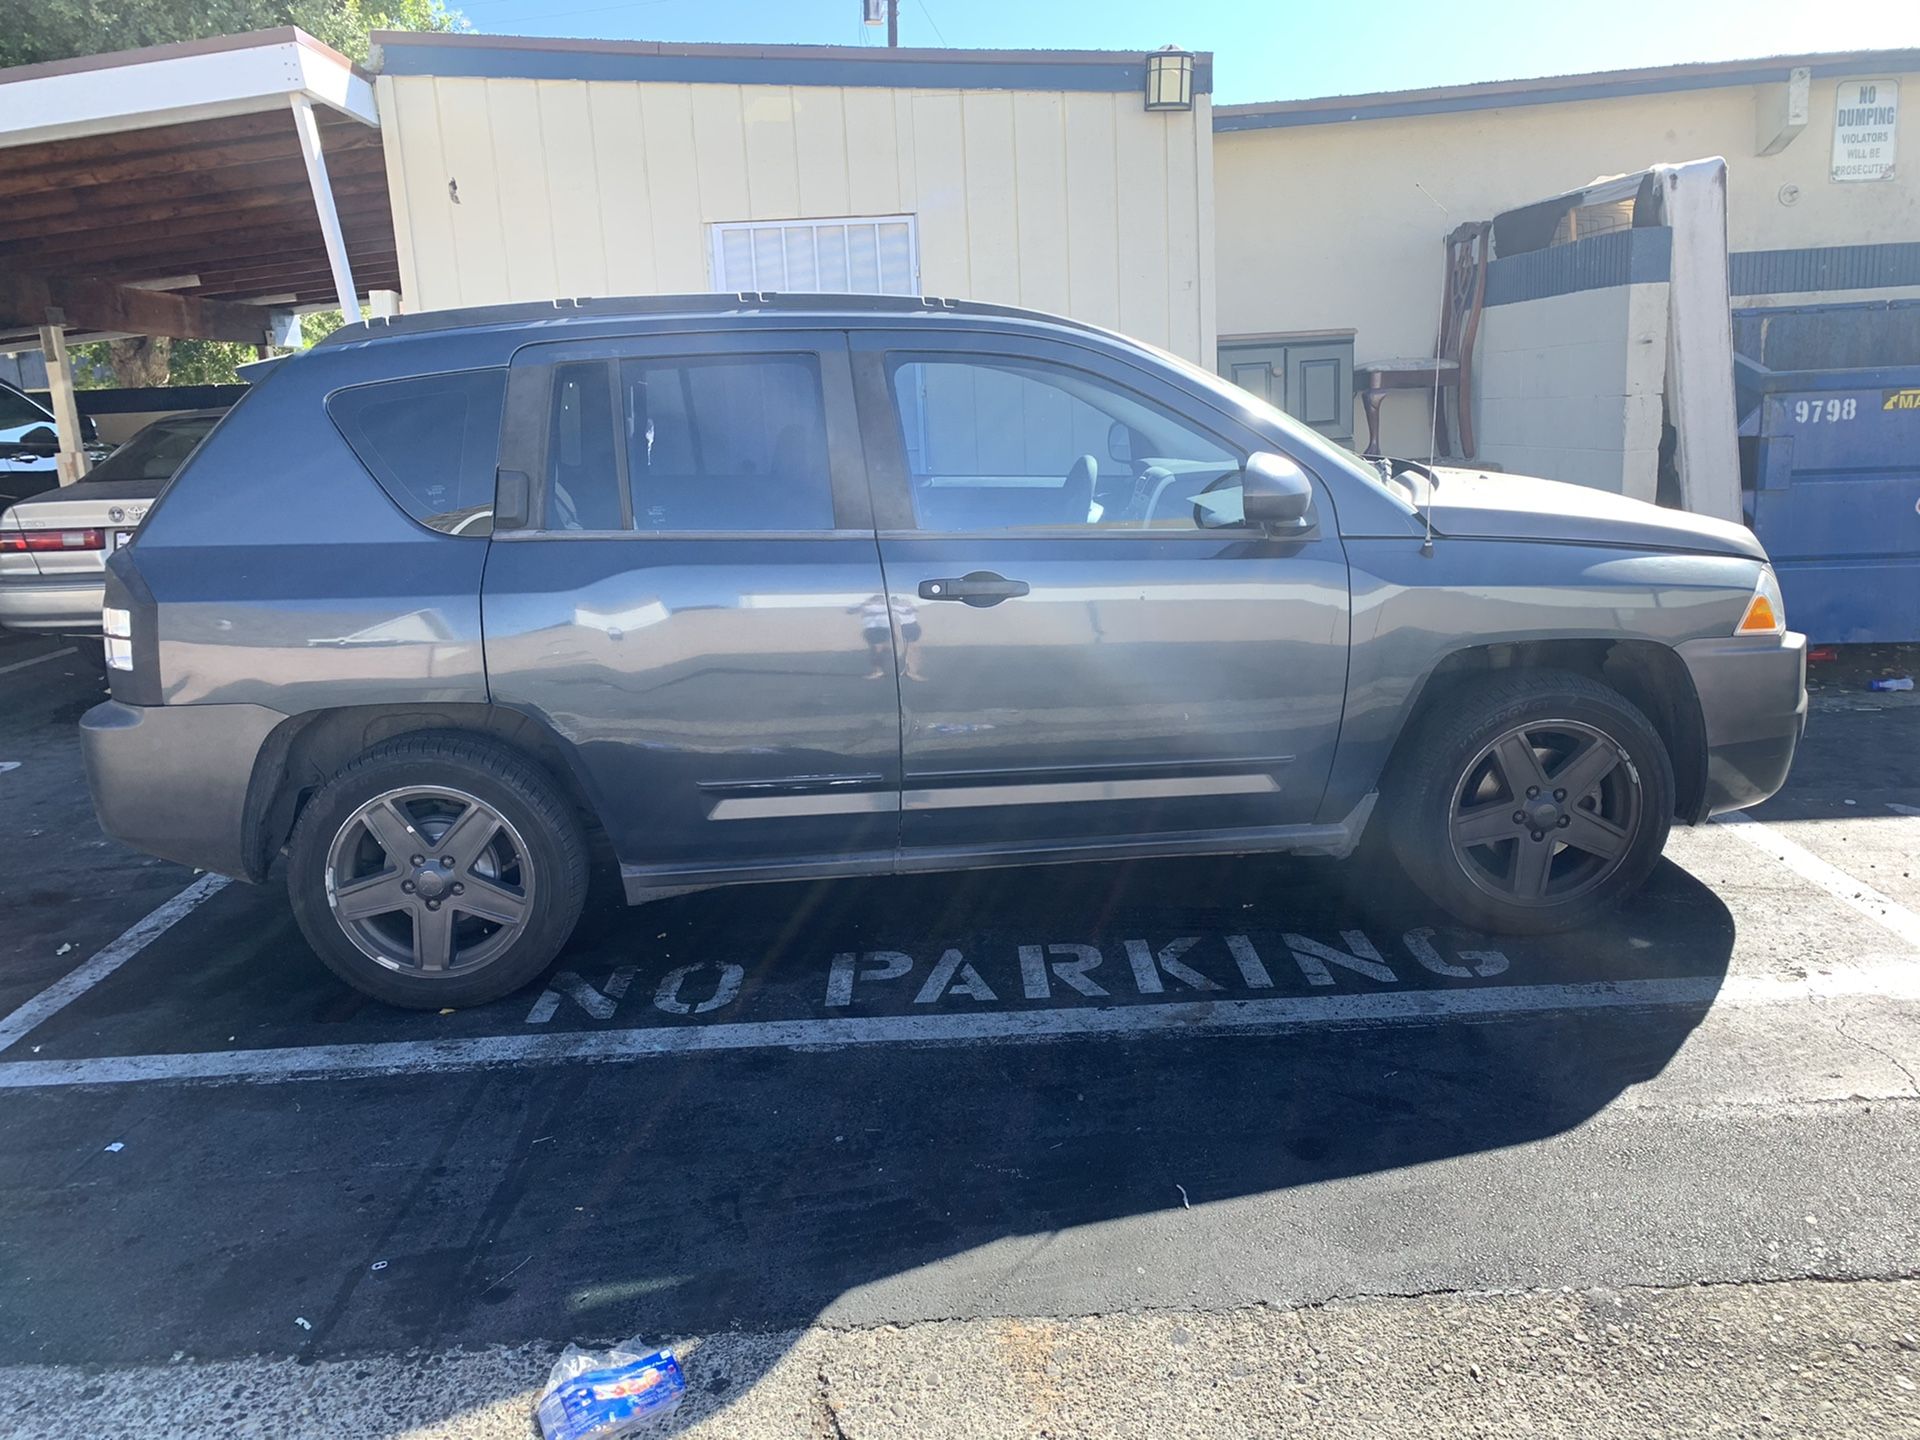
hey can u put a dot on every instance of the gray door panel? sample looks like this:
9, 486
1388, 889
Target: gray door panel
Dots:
726, 701
1140, 688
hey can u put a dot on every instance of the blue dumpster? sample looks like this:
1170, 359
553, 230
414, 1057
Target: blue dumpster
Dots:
1831, 462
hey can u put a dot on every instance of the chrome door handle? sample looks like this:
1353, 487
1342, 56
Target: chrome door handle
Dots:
980, 587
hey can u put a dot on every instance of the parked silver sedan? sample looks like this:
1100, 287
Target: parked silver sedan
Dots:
54, 545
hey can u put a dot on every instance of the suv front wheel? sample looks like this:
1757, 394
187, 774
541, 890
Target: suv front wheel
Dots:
436, 871
1532, 802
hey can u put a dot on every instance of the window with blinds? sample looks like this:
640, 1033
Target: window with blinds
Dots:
865, 255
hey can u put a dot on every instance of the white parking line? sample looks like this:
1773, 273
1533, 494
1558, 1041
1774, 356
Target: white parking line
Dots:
1896, 980
1889, 915
37, 659
65, 991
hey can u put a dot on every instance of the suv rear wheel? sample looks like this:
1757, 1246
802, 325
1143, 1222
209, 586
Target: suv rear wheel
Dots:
1532, 802
437, 870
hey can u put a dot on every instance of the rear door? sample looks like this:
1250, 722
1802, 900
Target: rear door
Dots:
1094, 650
692, 602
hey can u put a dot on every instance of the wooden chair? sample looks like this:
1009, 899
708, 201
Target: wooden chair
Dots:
1450, 368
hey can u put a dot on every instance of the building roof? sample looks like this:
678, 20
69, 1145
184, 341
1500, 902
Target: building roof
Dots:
400, 52
173, 84
1558, 89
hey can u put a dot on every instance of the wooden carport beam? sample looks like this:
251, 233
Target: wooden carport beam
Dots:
32, 301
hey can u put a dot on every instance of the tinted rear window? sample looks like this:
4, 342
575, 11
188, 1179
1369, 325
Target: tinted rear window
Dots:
431, 441
156, 452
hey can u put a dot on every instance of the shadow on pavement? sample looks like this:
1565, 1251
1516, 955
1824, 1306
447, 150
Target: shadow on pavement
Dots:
762, 1190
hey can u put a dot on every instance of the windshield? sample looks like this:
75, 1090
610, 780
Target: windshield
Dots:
157, 451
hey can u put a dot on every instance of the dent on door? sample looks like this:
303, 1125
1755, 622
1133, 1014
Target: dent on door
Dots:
1131, 687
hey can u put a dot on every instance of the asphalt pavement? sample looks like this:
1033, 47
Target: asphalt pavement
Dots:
970, 1154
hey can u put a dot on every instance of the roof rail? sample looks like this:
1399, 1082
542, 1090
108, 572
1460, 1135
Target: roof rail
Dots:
744, 302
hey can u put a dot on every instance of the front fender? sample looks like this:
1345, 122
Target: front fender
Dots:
1412, 613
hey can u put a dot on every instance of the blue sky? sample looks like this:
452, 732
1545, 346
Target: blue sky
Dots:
1272, 49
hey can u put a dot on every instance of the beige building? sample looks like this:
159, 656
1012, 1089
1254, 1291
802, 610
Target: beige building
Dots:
1285, 243
530, 169
1331, 215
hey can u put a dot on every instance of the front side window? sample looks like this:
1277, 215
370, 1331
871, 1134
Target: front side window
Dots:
432, 442
689, 444
1002, 443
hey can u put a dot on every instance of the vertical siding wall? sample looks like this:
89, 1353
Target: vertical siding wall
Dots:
1077, 202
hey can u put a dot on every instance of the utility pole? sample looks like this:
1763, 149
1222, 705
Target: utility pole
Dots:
870, 14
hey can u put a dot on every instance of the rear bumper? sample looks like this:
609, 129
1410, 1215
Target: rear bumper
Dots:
52, 602
1753, 702
172, 780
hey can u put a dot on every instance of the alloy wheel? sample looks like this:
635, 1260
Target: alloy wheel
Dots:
1545, 813
430, 881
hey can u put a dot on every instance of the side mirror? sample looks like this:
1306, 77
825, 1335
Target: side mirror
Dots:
1119, 443
41, 437
1276, 493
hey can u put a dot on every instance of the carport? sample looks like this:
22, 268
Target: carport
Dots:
204, 190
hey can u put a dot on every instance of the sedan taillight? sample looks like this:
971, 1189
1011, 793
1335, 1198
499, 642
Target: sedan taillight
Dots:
36, 542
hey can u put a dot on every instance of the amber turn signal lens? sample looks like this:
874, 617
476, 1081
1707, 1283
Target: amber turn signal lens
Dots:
1759, 619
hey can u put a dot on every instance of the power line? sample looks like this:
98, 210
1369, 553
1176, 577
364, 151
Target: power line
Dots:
931, 21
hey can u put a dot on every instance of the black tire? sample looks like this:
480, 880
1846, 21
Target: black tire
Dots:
538, 841
1449, 788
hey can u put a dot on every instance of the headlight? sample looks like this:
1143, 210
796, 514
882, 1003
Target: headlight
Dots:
1766, 612
118, 628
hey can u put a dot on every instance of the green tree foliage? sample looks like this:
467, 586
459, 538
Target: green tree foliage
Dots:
36, 30
186, 362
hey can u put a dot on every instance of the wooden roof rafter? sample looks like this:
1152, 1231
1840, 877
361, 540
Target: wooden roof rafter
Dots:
246, 167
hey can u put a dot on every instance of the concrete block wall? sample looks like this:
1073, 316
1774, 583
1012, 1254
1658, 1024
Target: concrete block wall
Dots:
1569, 386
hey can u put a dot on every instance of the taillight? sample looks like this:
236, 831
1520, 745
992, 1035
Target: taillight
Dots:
24, 542
117, 626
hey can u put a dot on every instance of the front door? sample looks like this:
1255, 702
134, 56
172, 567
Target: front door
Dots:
697, 603
1093, 648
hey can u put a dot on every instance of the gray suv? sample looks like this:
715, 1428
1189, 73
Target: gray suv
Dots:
790, 587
